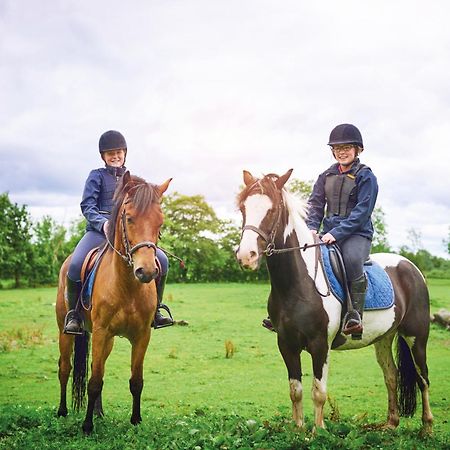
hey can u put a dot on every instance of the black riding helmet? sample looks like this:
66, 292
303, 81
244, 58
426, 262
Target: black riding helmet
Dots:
111, 140
346, 134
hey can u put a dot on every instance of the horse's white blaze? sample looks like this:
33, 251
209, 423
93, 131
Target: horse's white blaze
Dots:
256, 208
296, 394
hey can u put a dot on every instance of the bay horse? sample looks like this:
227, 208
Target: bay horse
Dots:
308, 317
123, 299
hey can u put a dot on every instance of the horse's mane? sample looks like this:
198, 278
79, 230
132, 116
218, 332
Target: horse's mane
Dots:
141, 193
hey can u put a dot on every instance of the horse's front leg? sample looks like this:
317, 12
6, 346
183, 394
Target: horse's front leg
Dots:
139, 347
102, 345
64, 364
319, 351
291, 357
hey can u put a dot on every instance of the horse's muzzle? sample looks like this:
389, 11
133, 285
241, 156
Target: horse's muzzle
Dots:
248, 260
146, 277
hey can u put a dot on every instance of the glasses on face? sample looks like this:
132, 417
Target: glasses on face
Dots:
342, 148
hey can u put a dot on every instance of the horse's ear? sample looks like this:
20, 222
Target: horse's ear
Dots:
282, 180
163, 187
126, 178
249, 179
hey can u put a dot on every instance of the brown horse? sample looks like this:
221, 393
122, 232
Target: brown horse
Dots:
123, 298
307, 316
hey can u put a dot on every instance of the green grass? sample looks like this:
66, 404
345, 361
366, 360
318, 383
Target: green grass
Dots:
191, 385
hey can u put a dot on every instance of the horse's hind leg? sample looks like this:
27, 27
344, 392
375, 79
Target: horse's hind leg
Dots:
386, 361
139, 347
291, 359
65, 350
419, 354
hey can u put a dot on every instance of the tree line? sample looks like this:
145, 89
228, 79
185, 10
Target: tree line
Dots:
31, 252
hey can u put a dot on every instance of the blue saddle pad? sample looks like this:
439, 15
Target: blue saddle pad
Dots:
380, 293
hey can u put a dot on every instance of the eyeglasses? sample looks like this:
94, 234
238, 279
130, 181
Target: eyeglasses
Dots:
342, 148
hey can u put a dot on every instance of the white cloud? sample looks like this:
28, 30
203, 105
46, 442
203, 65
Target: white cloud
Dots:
205, 89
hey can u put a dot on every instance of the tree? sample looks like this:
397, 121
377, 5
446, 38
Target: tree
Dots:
188, 231
48, 250
301, 188
447, 242
15, 235
380, 242
193, 232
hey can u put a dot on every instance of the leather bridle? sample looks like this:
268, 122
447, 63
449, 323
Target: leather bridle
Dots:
129, 250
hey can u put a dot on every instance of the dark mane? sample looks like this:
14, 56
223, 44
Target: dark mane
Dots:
141, 193
265, 185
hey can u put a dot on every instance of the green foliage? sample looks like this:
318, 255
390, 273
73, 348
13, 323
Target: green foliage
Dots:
48, 251
302, 188
380, 242
206, 244
31, 254
15, 236
432, 266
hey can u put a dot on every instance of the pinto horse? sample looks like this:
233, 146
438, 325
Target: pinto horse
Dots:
308, 317
123, 298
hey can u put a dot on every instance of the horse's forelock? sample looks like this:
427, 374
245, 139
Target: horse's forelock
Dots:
265, 185
141, 193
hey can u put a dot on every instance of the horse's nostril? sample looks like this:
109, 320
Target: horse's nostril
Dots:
139, 272
253, 254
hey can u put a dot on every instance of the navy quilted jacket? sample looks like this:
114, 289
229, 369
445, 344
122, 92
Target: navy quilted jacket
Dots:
98, 194
359, 221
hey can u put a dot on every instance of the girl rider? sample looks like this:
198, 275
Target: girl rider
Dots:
96, 206
342, 202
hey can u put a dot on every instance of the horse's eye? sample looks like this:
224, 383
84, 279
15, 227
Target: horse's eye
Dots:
129, 220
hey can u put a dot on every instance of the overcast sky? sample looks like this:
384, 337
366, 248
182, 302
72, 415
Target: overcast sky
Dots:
203, 89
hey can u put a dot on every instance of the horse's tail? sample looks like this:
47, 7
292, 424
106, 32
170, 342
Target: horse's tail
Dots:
80, 370
407, 379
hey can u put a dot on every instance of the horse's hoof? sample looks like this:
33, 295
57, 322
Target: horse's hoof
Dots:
87, 428
62, 412
136, 420
99, 412
426, 431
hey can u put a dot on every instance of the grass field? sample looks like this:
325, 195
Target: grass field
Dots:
192, 390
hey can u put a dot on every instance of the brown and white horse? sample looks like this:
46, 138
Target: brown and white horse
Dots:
307, 317
123, 298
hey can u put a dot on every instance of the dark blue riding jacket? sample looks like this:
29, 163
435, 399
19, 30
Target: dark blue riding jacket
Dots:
360, 201
98, 194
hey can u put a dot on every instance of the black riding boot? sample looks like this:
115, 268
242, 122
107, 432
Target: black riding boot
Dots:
73, 323
161, 321
353, 319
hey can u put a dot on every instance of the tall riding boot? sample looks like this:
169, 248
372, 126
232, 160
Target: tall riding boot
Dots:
73, 323
353, 320
161, 321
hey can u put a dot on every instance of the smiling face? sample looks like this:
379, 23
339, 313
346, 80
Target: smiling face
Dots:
114, 158
344, 154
